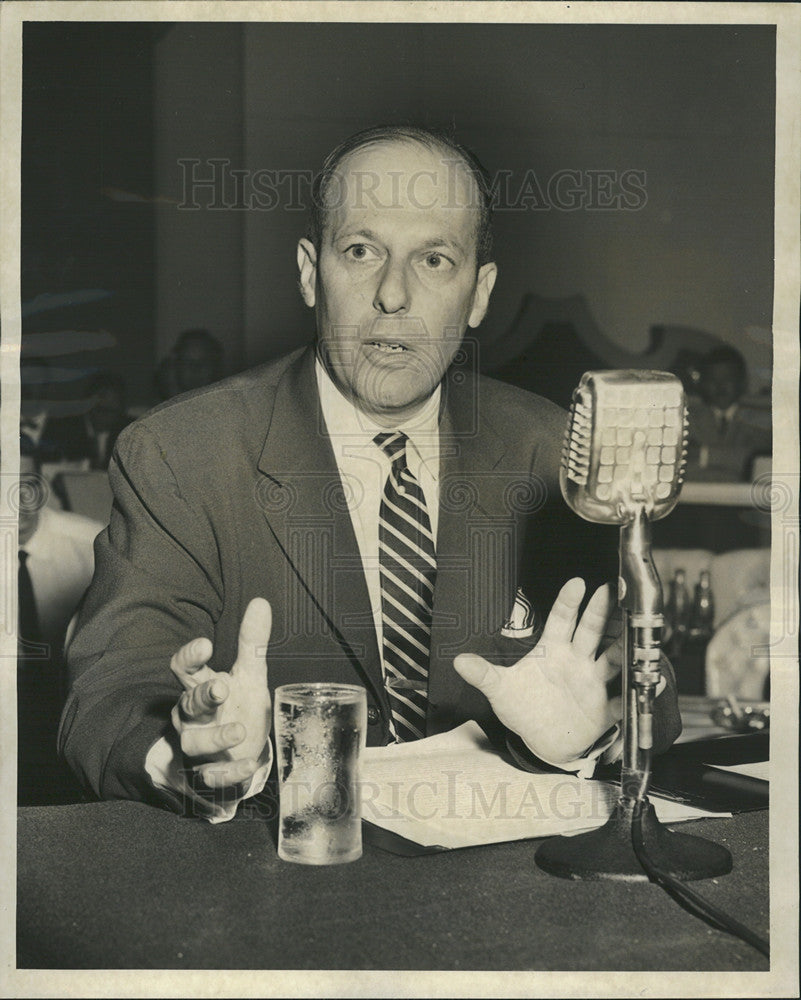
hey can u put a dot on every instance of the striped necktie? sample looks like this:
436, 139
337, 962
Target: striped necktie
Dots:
408, 568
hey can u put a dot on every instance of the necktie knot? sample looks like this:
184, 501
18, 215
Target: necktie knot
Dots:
393, 444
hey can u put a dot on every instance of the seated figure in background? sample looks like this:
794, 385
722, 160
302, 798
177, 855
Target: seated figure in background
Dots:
89, 437
56, 562
723, 441
195, 360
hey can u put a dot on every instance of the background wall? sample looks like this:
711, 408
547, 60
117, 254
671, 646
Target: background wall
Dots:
87, 221
198, 112
689, 108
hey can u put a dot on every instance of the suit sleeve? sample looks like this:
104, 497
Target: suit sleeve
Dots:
157, 585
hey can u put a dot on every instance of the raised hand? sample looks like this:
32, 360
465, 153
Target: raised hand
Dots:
555, 697
223, 719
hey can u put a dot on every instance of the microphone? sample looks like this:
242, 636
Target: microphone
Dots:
623, 463
625, 446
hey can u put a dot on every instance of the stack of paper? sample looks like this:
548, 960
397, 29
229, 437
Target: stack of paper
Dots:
455, 790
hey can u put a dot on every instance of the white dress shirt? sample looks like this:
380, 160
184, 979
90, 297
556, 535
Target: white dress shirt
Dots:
364, 467
60, 563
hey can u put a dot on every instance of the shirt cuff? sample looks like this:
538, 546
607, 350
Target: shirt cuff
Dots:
178, 784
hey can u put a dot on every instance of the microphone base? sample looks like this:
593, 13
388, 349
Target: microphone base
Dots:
607, 853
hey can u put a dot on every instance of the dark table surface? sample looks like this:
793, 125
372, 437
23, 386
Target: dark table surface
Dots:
124, 885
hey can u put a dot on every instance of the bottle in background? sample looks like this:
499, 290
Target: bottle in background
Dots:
677, 614
699, 626
703, 611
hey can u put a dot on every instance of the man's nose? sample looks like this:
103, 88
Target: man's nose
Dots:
392, 294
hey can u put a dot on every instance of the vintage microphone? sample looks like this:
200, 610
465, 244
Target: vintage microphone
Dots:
623, 463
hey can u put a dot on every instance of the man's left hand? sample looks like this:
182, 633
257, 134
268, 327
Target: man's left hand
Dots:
555, 698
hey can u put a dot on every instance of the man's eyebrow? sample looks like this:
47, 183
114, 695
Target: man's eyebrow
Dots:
442, 241
366, 234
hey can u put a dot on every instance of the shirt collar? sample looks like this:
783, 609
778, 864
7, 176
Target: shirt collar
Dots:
347, 424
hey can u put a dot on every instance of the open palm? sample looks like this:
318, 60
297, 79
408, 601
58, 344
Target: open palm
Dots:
555, 698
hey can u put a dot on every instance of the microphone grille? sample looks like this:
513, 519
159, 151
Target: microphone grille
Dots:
577, 446
625, 445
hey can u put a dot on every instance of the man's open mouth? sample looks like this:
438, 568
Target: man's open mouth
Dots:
388, 347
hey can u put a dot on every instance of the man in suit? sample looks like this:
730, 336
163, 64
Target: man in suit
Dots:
56, 562
722, 440
258, 519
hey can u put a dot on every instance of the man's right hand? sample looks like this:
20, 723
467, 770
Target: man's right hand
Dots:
223, 719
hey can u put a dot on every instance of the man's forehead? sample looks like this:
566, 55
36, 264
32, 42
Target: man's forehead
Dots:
403, 174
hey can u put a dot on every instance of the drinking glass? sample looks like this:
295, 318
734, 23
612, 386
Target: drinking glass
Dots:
320, 731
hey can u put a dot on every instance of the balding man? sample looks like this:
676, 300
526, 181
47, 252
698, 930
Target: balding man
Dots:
356, 511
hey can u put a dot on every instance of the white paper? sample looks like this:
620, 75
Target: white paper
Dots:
455, 790
757, 769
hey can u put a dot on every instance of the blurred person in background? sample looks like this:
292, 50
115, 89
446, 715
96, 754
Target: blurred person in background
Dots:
56, 563
89, 437
195, 360
723, 439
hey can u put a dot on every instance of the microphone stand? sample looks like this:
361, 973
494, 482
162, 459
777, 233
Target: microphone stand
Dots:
608, 853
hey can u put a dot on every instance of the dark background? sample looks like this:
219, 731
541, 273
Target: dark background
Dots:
110, 109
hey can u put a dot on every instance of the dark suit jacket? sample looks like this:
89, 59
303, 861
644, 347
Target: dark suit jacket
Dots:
232, 492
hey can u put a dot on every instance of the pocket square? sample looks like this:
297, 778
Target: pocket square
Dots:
520, 623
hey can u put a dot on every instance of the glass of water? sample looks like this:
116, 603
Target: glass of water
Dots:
320, 731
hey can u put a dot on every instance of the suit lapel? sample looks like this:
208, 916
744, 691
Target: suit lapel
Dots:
475, 542
305, 507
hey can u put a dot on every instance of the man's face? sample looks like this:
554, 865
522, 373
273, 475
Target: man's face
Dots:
395, 283
721, 385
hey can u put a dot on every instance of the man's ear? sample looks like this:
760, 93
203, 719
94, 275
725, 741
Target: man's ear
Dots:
485, 282
307, 271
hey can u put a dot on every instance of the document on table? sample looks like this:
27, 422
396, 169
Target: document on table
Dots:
758, 769
455, 790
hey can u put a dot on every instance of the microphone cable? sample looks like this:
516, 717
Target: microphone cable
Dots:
682, 893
